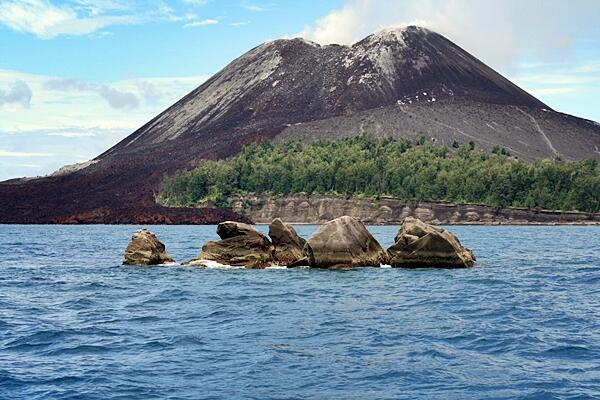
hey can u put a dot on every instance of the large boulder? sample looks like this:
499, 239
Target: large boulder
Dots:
343, 242
240, 245
419, 244
146, 249
287, 243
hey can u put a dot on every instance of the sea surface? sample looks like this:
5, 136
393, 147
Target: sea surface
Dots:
75, 324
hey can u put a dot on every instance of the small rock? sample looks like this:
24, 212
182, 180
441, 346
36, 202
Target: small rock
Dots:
240, 245
287, 243
146, 249
420, 245
343, 242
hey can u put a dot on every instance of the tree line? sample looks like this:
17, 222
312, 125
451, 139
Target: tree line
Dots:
369, 166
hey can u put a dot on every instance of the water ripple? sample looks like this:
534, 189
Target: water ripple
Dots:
525, 323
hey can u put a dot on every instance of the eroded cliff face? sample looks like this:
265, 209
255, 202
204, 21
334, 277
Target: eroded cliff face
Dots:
318, 209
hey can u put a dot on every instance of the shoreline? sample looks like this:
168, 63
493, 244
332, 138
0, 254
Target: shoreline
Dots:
490, 224
317, 209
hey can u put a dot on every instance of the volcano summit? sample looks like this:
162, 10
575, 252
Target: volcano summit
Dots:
406, 82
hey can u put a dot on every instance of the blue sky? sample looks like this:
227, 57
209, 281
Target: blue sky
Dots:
76, 76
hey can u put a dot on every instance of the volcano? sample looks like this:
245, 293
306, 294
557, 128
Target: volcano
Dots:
408, 82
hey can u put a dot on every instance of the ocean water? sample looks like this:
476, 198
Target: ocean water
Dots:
75, 324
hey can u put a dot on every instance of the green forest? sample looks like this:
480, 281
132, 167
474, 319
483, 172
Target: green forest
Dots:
368, 166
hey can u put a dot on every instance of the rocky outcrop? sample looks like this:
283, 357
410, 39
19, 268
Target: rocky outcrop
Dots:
418, 244
317, 209
240, 245
287, 243
146, 249
343, 242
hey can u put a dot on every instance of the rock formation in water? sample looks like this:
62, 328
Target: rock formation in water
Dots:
420, 245
287, 243
398, 82
146, 249
240, 245
343, 242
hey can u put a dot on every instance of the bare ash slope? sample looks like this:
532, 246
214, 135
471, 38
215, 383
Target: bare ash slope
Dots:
529, 133
403, 82
284, 82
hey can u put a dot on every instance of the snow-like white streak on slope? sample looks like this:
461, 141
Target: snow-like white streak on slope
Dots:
541, 131
216, 99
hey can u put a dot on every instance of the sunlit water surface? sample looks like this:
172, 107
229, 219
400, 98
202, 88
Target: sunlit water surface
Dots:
524, 323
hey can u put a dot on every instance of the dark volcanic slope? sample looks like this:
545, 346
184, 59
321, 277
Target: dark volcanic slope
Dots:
289, 81
402, 82
529, 133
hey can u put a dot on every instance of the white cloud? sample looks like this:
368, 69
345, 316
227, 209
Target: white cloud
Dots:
61, 102
557, 78
75, 124
151, 92
97, 7
72, 134
498, 32
19, 93
589, 68
551, 81
553, 91
203, 22
46, 20
239, 23
195, 2
21, 154
115, 98
254, 7
27, 165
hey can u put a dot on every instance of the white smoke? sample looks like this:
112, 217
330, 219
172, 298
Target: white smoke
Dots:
498, 32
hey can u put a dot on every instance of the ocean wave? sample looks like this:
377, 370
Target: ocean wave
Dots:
518, 326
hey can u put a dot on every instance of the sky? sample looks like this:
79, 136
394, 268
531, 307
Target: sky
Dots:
77, 76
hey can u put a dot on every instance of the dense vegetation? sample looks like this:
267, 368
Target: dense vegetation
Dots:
367, 166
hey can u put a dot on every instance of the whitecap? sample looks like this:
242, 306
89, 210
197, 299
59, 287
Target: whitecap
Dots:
274, 266
217, 265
